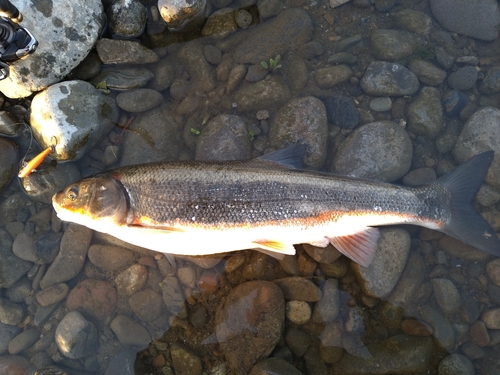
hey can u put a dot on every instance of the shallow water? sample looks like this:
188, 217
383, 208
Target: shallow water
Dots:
432, 297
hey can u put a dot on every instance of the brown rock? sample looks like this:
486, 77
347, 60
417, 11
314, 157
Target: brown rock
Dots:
249, 323
93, 298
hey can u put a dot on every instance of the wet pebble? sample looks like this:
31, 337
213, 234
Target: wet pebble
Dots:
299, 288
110, 258
7, 333
415, 327
129, 332
447, 295
179, 13
267, 93
413, 20
274, 366
164, 75
491, 318
331, 76
71, 257
131, 280
122, 363
388, 165
139, 100
113, 51
453, 102
427, 73
184, 361
52, 294
249, 323
327, 308
341, 111
9, 125
146, 304
298, 312
243, 18
456, 364
121, 79
220, 23
269, 8
173, 297
16, 365
463, 79
76, 337
212, 54
24, 247
419, 176
380, 277
442, 329
326, 255
296, 72
479, 333
491, 82
389, 79
302, 120
425, 113
24, 341
256, 73
94, 298
290, 30
187, 276
298, 341
10, 313
47, 247
8, 159
413, 355
225, 137
382, 104
479, 20
390, 45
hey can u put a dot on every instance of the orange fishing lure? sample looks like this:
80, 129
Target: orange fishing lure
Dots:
34, 163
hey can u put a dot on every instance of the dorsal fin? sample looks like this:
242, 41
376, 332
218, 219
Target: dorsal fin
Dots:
290, 156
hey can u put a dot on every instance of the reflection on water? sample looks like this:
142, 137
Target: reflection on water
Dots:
251, 78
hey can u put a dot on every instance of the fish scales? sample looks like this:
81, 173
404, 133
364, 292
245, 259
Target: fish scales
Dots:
200, 208
232, 193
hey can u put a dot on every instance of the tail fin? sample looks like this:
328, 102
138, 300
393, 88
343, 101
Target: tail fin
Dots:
466, 224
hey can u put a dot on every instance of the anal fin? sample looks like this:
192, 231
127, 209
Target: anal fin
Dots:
360, 246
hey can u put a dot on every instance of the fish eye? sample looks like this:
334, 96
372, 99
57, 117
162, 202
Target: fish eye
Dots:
73, 193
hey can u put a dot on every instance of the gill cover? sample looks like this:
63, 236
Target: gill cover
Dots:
99, 198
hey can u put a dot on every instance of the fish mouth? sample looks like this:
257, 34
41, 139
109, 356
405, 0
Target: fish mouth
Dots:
56, 205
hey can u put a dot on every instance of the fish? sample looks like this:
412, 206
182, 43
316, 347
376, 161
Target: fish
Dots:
33, 164
269, 204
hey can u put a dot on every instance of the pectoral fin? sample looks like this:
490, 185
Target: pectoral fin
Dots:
275, 246
360, 247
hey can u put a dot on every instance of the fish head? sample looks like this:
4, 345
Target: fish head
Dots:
92, 202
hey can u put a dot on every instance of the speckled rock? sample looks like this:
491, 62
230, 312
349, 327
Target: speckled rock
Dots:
290, 30
153, 136
389, 79
146, 304
94, 298
331, 76
425, 113
442, 329
302, 120
380, 277
123, 78
298, 312
447, 295
479, 134
10, 313
427, 72
75, 336
184, 361
126, 19
491, 318
456, 364
225, 137
110, 258
479, 19
131, 280
57, 113
74, 29
129, 332
413, 20
264, 94
16, 365
361, 154
71, 257
327, 308
391, 45
12, 268
491, 83
463, 79
342, 111
249, 323
299, 288
274, 366
112, 51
